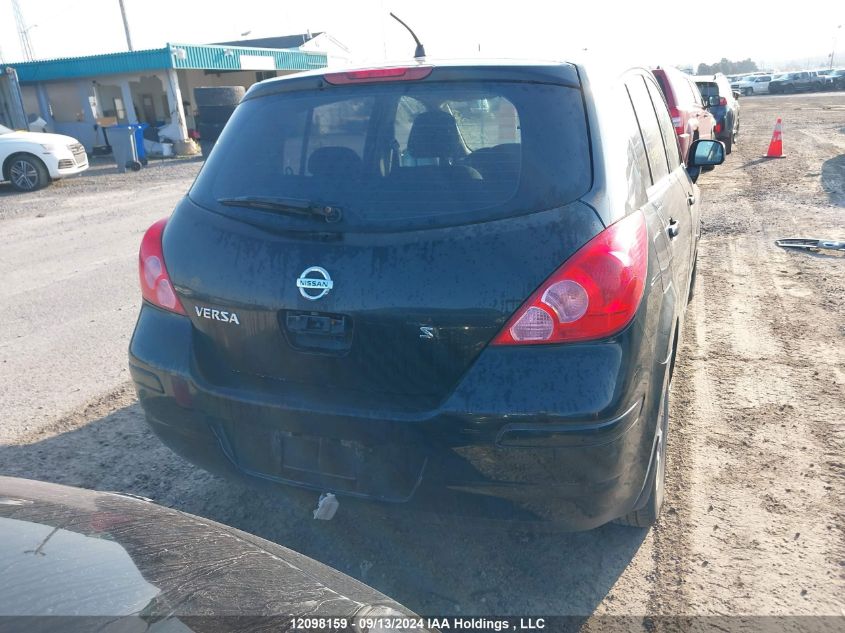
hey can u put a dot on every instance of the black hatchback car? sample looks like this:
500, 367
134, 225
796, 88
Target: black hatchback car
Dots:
457, 286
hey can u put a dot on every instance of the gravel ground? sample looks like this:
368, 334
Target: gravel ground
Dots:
754, 522
70, 292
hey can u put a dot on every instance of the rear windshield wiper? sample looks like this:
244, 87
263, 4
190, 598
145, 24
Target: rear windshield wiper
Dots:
293, 206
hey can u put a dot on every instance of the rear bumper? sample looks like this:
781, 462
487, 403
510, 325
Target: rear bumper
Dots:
574, 449
725, 126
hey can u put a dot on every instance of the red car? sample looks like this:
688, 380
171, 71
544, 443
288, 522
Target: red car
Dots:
690, 118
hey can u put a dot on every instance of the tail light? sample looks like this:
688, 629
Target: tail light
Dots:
677, 121
718, 128
723, 101
156, 286
370, 75
593, 295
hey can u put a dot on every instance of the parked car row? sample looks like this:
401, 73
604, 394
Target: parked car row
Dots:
789, 82
691, 116
803, 81
703, 106
833, 79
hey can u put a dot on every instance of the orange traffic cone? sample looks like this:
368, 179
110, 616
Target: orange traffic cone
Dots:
776, 146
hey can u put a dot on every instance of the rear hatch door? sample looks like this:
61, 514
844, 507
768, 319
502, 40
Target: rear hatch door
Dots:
455, 201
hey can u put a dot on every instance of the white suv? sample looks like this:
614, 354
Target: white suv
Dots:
31, 160
753, 84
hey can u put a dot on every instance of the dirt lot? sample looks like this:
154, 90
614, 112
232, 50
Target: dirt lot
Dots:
755, 516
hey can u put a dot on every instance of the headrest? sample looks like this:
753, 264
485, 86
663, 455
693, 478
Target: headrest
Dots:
435, 135
334, 162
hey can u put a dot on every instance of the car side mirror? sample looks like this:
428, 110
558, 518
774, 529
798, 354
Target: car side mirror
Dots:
704, 153
736, 94
712, 100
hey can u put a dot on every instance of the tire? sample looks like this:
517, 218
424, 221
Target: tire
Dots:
215, 115
210, 132
205, 147
747, 92
218, 96
27, 173
647, 515
728, 144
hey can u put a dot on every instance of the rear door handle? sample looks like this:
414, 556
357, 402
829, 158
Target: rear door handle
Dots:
672, 229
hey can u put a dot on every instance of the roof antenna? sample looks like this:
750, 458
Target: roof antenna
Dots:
420, 52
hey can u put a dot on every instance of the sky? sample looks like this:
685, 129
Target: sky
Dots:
644, 32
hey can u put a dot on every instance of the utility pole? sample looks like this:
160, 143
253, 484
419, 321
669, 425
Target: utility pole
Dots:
126, 25
23, 32
833, 50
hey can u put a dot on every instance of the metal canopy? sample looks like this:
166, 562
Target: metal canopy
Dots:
178, 56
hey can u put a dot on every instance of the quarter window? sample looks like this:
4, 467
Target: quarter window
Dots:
640, 176
649, 127
670, 139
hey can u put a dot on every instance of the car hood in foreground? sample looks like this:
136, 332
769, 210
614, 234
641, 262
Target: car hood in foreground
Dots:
71, 552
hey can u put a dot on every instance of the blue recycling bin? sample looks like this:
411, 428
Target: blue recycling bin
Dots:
138, 128
139, 141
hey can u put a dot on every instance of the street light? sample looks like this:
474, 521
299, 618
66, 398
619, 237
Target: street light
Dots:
833, 50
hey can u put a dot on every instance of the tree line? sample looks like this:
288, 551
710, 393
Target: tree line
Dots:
728, 67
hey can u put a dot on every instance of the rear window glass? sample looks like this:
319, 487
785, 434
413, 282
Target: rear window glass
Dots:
695, 93
405, 153
661, 79
649, 127
708, 89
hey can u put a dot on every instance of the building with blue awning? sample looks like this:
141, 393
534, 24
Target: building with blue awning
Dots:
78, 96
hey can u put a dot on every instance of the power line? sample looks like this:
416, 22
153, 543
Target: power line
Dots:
23, 32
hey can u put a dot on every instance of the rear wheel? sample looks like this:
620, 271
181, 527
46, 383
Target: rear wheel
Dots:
729, 141
27, 173
648, 514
